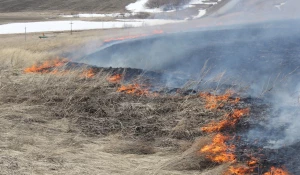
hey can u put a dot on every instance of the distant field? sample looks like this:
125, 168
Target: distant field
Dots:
67, 5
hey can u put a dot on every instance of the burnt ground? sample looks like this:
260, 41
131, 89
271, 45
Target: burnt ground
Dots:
165, 123
259, 61
160, 122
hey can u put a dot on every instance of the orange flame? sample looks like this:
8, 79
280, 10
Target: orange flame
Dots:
115, 78
230, 121
158, 31
46, 66
218, 101
277, 171
253, 162
133, 89
125, 38
155, 32
218, 151
240, 170
88, 73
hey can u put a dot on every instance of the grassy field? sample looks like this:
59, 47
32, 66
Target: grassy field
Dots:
66, 124
65, 6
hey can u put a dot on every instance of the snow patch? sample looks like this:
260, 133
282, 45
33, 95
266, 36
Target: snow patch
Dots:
200, 14
140, 6
113, 15
52, 26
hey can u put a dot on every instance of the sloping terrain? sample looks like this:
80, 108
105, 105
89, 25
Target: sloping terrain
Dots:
66, 124
64, 6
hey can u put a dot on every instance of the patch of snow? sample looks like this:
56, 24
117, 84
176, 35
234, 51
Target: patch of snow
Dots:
51, 26
152, 22
113, 15
192, 3
200, 14
140, 6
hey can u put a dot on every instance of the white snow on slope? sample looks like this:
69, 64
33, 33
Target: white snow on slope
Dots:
51, 26
140, 6
94, 15
200, 14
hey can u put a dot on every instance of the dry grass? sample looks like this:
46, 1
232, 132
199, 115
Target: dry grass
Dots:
166, 3
68, 5
70, 125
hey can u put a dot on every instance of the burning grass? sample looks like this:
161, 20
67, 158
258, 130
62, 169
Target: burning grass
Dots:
115, 78
155, 32
133, 89
218, 151
238, 170
277, 171
218, 101
90, 73
94, 107
47, 66
229, 122
57, 67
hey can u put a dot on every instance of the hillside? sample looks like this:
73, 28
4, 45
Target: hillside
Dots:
67, 5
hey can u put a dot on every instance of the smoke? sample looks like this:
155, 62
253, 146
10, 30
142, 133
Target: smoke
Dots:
261, 58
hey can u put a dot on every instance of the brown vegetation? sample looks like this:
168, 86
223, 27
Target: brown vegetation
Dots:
68, 5
69, 124
166, 3
73, 124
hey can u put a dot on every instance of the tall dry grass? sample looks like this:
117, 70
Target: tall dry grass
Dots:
65, 109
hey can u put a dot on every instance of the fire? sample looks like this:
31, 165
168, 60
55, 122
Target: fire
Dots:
158, 31
217, 126
218, 101
253, 162
115, 78
88, 73
125, 38
277, 171
240, 170
230, 121
218, 151
155, 32
133, 89
238, 113
47, 66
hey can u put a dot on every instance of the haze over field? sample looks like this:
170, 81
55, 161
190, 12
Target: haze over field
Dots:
164, 87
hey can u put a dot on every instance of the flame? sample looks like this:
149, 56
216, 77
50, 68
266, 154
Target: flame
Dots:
155, 32
115, 78
217, 126
133, 89
125, 38
88, 73
158, 31
218, 151
47, 66
218, 101
277, 171
253, 162
230, 121
240, 170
